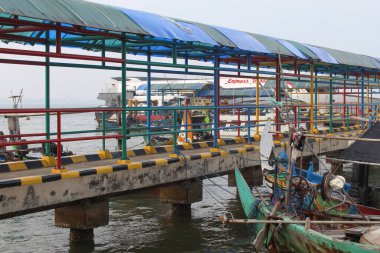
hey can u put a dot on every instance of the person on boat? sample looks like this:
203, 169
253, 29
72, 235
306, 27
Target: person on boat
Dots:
4, 155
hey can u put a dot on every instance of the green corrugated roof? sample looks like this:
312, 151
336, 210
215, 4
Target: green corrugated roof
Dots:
215, 34
108, 18
353, 59
74, 12
272, 44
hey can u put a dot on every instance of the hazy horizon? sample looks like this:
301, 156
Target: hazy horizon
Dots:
345, 25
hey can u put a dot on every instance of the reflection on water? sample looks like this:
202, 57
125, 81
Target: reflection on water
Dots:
139, 223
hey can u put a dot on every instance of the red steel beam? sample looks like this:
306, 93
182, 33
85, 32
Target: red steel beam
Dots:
21, 62
55, 55
22, 38
75, 29
63, 110
89, 138
24, 29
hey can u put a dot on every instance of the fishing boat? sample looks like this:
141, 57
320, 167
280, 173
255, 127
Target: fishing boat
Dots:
319, 217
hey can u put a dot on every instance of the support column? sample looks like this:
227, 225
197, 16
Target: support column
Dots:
216, 88
124, 156
363, 183
252, 175
362, 99
278, 98
181, 195
331, 102
82, 218
311, 119
48, 158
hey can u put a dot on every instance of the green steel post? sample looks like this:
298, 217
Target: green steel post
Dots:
174, 55
124, 99
175, 131
298, 117
103, 52
347, 77
331, 103
47, 96
103, 131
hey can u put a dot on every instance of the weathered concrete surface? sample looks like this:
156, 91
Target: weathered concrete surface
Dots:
87, 214
182, 195
185, 192
29, 198
252, 176
82, 236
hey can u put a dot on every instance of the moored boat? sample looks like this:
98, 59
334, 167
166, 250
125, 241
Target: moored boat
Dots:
319, 217
299, 238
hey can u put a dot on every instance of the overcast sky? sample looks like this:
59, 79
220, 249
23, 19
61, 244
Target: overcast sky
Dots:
349, 25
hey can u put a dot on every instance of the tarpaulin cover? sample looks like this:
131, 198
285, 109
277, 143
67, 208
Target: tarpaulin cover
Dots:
271, 44
169, 28
292, 48
243, 40
352, 59
74, 12
322, 54
216, 35
93, 16
364, 151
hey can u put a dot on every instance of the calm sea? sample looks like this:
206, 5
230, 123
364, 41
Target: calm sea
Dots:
138, 222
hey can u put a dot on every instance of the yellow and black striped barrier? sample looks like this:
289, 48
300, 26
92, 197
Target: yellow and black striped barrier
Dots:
31, 180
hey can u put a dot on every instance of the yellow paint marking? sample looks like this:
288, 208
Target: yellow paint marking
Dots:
131, 153
78, 159
16, 166
168, 148
69, 174
203, 144
135, 165
205, 155
161, 162
31, 180
105, 169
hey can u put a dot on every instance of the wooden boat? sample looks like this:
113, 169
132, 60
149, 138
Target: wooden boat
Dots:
314, 219
299, 238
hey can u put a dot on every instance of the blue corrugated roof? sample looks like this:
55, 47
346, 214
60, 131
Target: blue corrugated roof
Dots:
243, 40
292, 48
168, 28
322, 54
99, 17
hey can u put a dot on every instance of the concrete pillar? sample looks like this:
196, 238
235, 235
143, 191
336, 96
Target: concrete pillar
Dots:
181, 195
82, 218
252, 175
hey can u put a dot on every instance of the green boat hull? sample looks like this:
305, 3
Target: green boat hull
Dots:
292, 237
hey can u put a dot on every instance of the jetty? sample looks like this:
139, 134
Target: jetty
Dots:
339, 87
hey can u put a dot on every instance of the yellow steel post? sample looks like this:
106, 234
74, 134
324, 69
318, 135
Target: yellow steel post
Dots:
311, 97
257, 99
368, 98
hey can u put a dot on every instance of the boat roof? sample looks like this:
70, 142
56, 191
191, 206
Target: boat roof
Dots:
142, 27
176, 86
364, 151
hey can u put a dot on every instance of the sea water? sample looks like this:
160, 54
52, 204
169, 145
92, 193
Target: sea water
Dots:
138, 222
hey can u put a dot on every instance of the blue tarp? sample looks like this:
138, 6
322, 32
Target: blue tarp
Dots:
322, 54
292, 49
168, 28
243, 40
